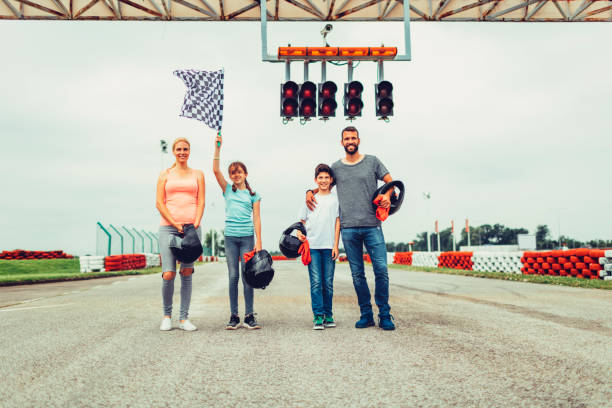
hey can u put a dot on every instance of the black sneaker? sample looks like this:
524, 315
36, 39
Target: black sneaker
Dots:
234, 323
250, 322
329, 322
318, 323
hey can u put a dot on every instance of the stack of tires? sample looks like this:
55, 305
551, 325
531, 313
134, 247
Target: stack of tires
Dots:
125, 262
90, 263
507, 262
606, 265
402, 258
579, 263
152, 260
23, 254
425, 259
456, 260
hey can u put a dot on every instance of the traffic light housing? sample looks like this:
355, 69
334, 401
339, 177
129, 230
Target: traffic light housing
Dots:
327, 99
384, 99
307, 102
289, 99
352, 99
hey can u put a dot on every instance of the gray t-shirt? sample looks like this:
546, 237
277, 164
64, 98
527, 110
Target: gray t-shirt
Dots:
356, 183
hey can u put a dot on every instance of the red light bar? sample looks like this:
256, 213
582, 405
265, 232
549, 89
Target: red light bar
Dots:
354, 51
292, 51
320, 51
383, 51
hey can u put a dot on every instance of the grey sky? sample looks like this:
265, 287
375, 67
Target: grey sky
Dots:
501, 122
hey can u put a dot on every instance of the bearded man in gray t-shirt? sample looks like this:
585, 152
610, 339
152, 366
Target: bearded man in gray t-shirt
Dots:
356, 178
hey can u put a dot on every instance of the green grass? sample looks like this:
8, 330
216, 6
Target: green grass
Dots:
550, 280
19, 272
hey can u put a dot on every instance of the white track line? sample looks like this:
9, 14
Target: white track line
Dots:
34, 307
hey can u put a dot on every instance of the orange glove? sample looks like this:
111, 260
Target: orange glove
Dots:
248, 256
381, 213
305, 251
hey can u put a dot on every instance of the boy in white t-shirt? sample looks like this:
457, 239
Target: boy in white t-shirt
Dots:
323, 233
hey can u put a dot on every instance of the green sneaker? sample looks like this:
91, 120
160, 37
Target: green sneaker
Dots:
318, 323
329, 322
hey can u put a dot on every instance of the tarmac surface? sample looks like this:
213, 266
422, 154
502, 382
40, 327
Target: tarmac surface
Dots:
460, 341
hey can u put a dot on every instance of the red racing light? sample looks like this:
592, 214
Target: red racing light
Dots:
383, 51
323, 51
354, 51
292, 51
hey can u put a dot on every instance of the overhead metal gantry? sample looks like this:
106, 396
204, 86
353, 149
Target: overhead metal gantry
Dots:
309, 10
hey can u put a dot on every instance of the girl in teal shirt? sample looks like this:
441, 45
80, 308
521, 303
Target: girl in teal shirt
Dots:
242, 233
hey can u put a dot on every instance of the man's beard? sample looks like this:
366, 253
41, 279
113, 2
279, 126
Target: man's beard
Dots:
346, 148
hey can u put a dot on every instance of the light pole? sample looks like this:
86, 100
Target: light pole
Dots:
212, 239
427, 196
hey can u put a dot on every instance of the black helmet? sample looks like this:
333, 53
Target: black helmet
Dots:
258, 271
396, 202
186, 248
290, 244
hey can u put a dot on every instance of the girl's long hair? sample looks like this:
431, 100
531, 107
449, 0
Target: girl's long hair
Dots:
232, 168
178, 140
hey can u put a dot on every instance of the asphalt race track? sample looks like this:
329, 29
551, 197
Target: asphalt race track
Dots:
460, 341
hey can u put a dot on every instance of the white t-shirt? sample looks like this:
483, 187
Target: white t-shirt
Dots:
321, 222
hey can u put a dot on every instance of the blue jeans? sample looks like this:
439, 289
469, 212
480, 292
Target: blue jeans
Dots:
321, 270
372, 237
235, 247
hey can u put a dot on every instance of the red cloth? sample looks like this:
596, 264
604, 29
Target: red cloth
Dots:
248, 255
381, 213
305, 251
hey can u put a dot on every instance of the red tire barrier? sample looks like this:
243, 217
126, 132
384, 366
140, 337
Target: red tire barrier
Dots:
402, 258
125, 262
279, 258
456, 260
18, 254
580, 263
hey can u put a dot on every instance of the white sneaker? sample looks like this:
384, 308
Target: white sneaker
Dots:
187, 326
166, 324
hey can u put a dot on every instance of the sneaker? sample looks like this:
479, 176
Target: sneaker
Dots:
386, 322
250, 322
166, 324
234, 323
318, 323
187, 326
365, 321
329, 322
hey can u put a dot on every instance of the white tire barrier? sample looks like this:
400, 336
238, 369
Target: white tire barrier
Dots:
507, 262
425, 259
91, 263
152, 260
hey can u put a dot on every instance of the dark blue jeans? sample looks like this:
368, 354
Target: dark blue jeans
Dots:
235, 247
321, 270
354, 240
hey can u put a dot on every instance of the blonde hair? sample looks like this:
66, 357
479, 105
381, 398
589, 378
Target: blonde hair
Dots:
176, 141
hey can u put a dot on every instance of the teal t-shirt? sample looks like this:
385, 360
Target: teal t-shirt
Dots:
239, 212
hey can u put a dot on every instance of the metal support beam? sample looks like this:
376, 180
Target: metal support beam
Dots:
350, 71
287, 71
323, 72
273, 58
133, 239
141, 238
381, 71
306, 70
120, 236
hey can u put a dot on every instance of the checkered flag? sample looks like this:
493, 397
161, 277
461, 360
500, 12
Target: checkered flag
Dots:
204, 96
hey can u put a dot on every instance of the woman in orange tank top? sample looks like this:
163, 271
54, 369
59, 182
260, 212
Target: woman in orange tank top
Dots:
180, 200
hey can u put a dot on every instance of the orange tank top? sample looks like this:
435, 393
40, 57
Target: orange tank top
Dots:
181, 198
